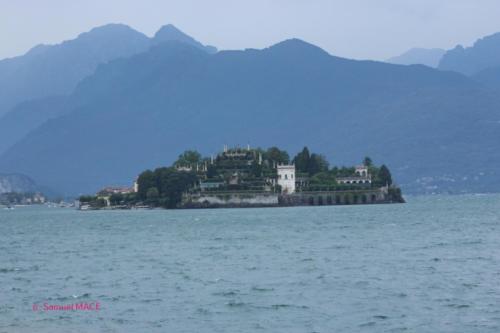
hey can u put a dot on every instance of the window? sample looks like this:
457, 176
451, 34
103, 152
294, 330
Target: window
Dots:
286, 176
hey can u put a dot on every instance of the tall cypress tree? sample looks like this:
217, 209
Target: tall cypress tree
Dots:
302, 161
385, 175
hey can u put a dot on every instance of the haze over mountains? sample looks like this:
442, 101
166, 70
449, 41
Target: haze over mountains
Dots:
47, 72
437, 130
480, 61
16, 183
56, 70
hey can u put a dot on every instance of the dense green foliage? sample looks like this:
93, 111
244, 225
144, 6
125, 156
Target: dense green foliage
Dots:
276, 155
327, 179
92, 200
384, 175
189, 157
164, 187
310, 163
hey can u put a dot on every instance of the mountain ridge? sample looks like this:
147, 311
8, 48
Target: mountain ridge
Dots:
25, 77
419, 56
51, 71
485, 53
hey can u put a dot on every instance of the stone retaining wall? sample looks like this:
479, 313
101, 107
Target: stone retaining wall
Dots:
245, 199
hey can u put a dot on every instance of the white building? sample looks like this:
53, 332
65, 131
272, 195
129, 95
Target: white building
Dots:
361, 177
362, 170
286, 178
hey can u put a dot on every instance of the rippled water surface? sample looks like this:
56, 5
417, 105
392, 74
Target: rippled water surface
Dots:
432, 265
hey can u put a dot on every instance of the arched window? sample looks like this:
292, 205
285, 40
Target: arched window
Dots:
286, 176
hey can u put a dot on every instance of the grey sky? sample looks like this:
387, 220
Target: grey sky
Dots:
361, 29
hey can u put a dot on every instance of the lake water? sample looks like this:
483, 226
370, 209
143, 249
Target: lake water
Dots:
432, 265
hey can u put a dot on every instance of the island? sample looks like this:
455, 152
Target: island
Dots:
251, 177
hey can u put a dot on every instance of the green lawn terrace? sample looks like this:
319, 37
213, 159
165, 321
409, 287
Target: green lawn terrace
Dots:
238, 169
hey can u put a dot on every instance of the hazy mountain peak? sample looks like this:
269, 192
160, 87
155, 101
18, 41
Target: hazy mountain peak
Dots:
419, 56
56, 69
110, 31
110, 27
296, 45
170, 33
294, 42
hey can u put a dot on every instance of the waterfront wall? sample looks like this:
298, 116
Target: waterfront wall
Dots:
209, 200
327, 198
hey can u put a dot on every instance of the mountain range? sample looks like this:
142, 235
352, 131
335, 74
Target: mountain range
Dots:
49, 72
437, 130
480, 61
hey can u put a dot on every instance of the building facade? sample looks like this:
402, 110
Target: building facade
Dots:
361, 177
286, 178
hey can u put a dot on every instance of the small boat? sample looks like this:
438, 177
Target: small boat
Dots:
85, 207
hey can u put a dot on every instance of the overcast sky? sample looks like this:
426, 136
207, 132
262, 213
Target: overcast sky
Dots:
361, 29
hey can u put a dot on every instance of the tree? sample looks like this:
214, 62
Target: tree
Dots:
165, 186
162, 176
256, 169
211, 171
152, 194
87, 198
175, 184
367, 161
301, 161
385, 175
145, 181
274, 154
317, 163
116, 199
100, 203
189, 157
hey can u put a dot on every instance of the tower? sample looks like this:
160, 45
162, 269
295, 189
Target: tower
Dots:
286, 178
